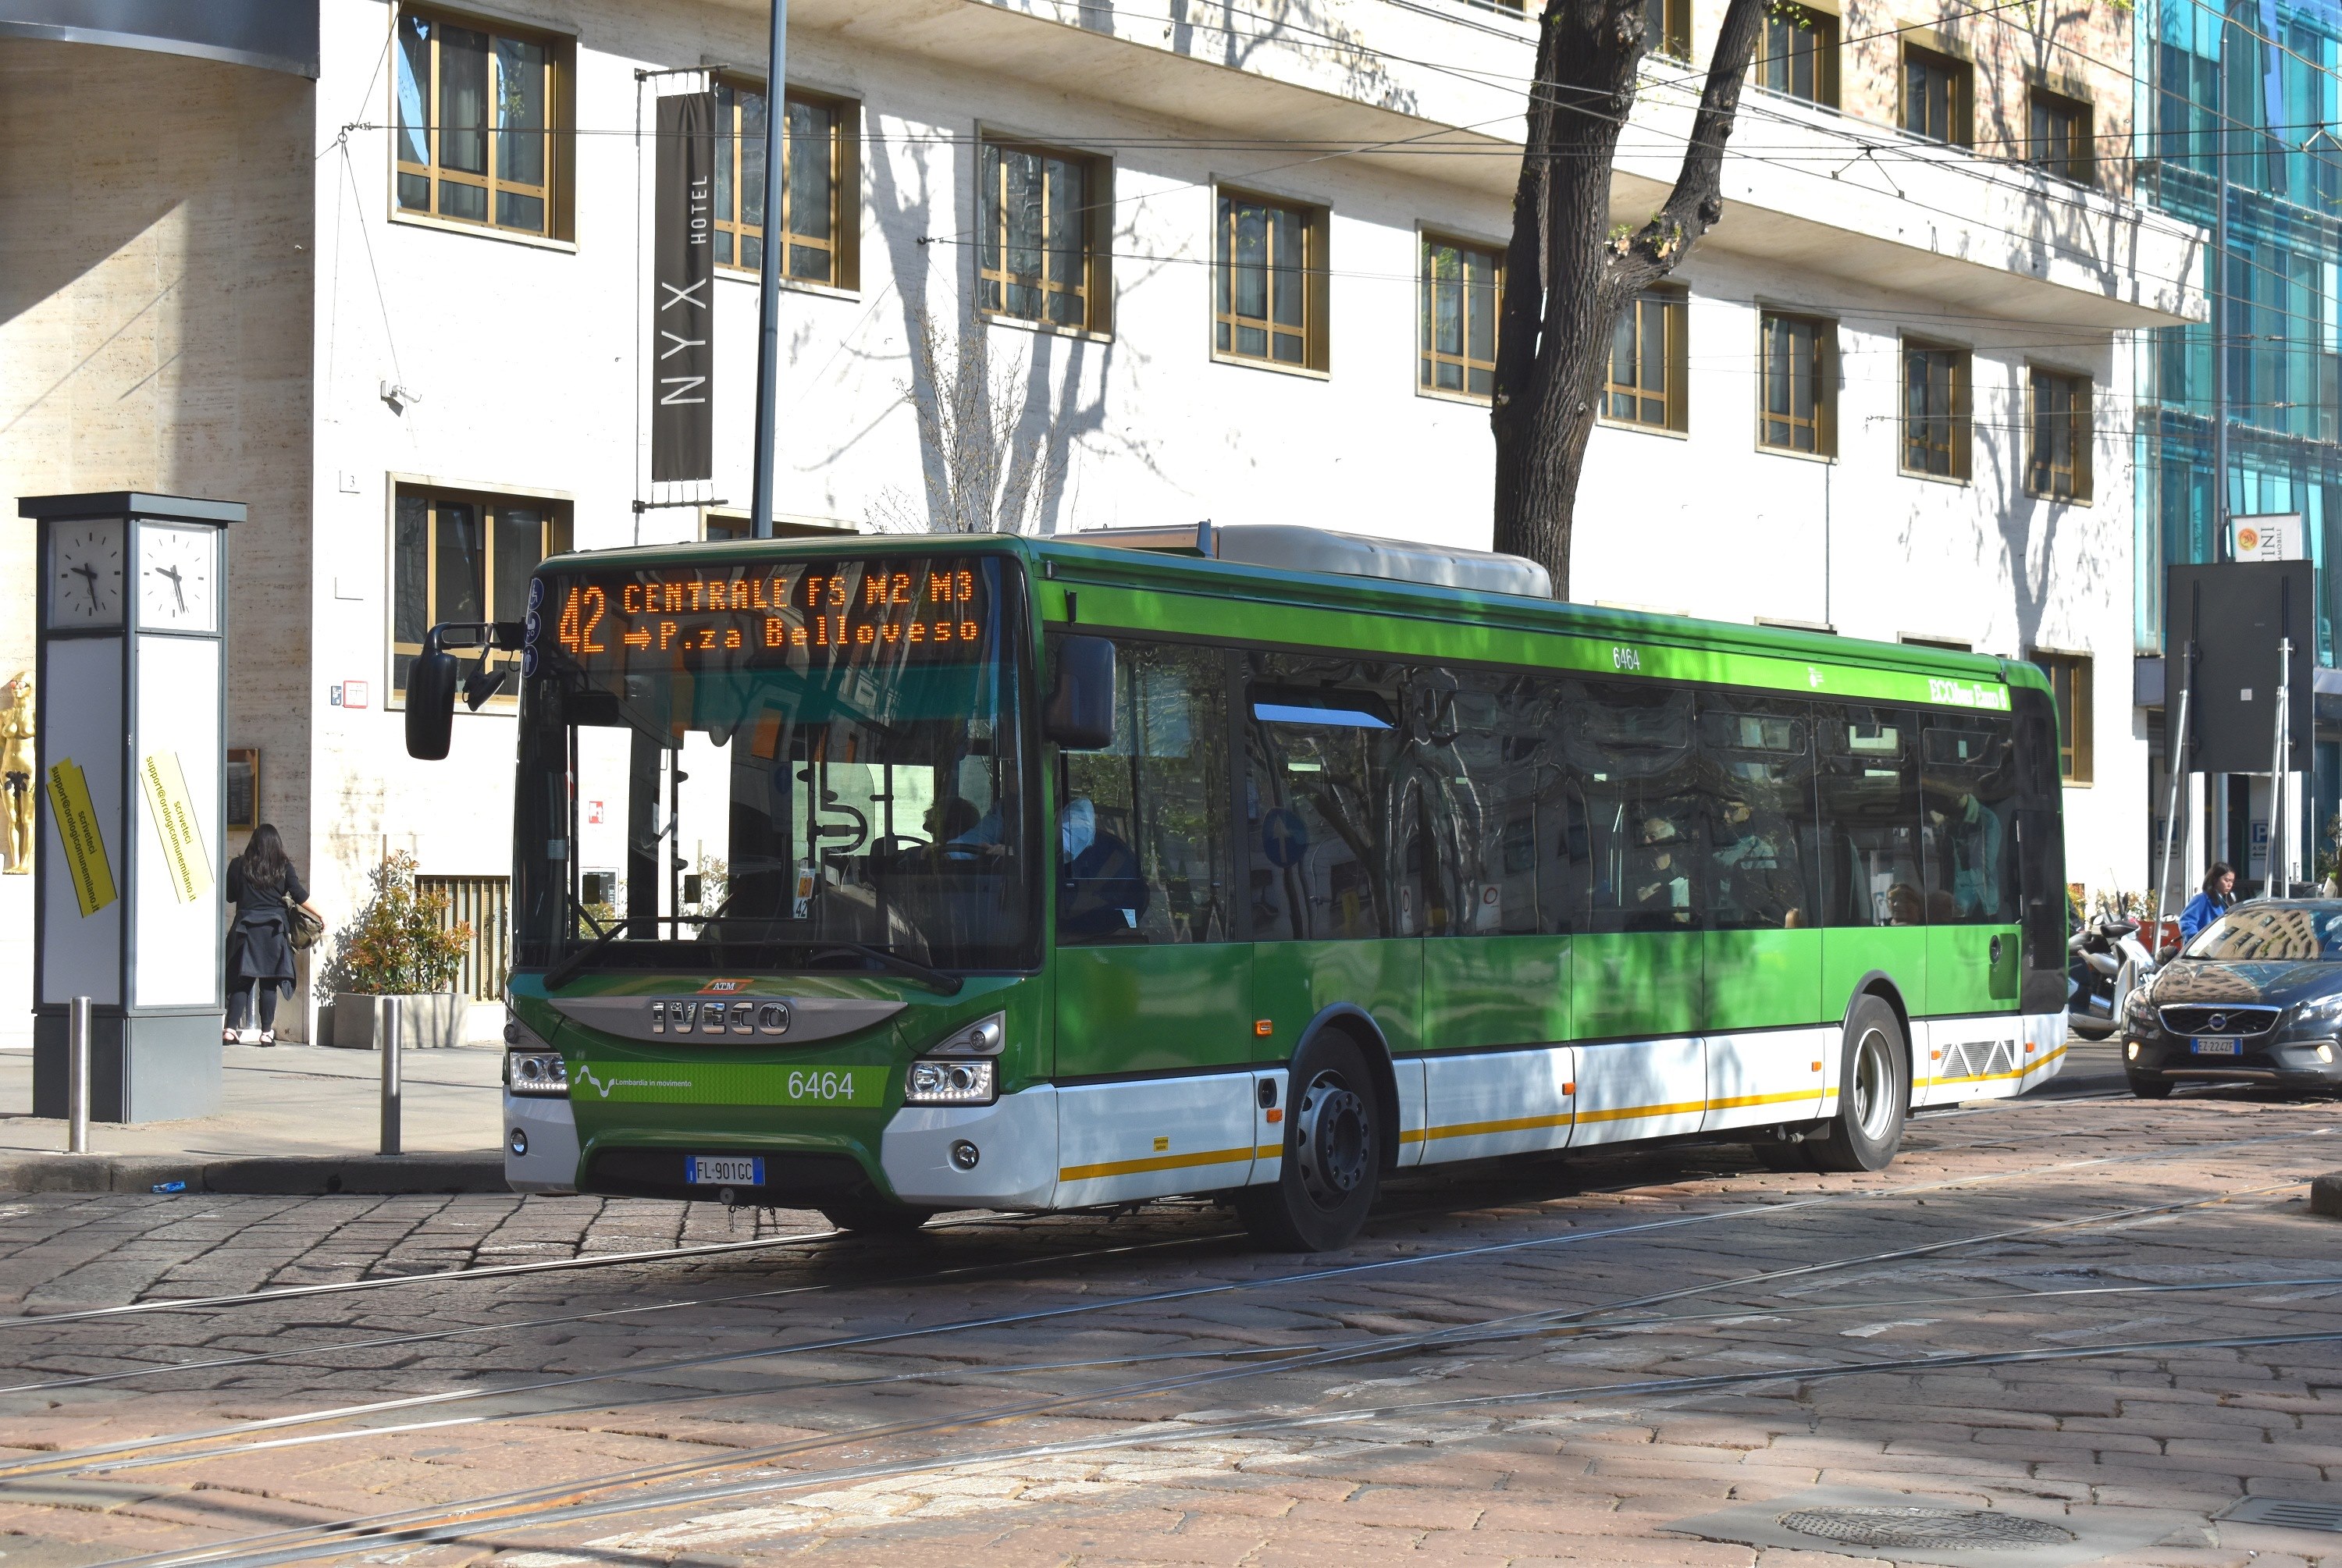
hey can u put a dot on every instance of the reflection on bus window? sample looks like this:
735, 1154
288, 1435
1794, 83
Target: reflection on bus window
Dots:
1967, 828
1869, 786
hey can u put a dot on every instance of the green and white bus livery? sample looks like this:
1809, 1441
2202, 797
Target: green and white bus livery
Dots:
923, 872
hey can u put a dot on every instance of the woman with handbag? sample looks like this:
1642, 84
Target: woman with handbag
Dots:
272, 918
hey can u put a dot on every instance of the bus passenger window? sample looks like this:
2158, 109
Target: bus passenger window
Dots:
1323, 807
1506, 806
1967, 829
1630, 753
1762, 830
1144, 852
1869, 785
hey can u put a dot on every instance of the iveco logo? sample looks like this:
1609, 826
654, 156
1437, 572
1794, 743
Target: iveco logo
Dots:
695, 1015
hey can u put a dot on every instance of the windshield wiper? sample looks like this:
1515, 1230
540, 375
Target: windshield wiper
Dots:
569, 968
927, 974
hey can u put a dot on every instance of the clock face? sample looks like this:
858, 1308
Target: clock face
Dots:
175, 577
85, 574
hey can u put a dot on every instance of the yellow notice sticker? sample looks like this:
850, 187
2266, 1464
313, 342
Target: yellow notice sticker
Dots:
174, 819
77, 830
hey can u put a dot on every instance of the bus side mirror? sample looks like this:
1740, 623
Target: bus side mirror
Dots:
431, 684
1079, 714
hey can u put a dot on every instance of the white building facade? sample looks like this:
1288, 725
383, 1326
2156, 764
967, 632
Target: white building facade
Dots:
421, 373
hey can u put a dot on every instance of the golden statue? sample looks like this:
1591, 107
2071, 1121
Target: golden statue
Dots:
16, 771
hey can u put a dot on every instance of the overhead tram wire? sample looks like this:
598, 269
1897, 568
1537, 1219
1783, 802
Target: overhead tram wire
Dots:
82, 1458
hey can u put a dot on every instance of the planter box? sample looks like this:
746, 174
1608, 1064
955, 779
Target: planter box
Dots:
426, 1021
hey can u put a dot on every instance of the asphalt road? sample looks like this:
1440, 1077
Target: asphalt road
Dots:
2097, 1327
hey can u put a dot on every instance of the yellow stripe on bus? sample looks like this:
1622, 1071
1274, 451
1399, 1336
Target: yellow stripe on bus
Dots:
1153, 1162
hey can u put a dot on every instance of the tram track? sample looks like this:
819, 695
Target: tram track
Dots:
221, 1441
542, 1507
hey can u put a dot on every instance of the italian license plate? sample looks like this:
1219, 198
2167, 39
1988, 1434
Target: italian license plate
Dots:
2217, 1047
728, 1170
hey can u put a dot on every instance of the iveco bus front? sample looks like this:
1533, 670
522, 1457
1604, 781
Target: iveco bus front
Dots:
777, 899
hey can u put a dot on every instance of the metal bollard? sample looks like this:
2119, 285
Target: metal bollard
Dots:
386, 1035
77, 1076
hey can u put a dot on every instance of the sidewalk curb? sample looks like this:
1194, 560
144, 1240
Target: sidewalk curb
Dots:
2325, 1195
285, 1175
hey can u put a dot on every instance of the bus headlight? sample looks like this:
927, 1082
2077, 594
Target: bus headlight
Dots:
984, 1038
949, 1082
537, 1073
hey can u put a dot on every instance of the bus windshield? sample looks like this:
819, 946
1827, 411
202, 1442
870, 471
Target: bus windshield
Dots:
772, 765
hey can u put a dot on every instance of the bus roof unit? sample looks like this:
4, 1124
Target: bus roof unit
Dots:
1293, 548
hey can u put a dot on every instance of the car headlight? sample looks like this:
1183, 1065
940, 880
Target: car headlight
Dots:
949, 1082
543, 1073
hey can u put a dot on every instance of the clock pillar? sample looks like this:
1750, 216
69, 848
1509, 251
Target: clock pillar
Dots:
130, 799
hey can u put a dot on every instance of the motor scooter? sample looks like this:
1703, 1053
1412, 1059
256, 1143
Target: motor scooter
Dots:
2109, 963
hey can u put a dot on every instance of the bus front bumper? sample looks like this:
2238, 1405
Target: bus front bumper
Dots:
1003, 1155
540, 1144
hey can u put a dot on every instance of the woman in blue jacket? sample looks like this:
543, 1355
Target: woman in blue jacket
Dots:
2220, 892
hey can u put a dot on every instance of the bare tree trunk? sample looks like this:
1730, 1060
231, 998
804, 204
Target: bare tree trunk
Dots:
1566, 277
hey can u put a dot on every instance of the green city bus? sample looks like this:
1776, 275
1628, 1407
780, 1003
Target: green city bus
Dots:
915, 872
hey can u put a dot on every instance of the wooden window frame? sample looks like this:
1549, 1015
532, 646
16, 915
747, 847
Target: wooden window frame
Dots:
1958, 447
556, 192
1096, 289
1961, 117
1671, 39
1823, 27
1824, 423
1675, 413
844, 245
1316, 220
2080, 165
555, 536
2040, 476
2071, 679
1429, 357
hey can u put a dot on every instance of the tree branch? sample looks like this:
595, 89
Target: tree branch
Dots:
1693, 207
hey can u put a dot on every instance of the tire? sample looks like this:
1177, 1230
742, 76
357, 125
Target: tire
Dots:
2151, 1088
1874, 1092
1334, 1144
875, 1218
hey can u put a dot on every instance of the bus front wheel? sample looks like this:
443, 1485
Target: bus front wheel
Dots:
1874, 1089
1332, 1167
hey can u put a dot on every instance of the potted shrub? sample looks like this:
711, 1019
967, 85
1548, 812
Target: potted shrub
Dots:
399, 944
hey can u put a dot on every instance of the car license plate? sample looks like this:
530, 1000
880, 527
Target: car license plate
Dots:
728, 1170
2217, 1047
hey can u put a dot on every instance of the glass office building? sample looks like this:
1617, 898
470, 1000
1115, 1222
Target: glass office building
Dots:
2251, 84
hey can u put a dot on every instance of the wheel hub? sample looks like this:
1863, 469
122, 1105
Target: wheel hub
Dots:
1332, 1138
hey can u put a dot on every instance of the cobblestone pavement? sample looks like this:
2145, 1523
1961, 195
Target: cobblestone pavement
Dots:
2112, 1317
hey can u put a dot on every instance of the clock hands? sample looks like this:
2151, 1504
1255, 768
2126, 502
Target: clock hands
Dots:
178, 589
89, 574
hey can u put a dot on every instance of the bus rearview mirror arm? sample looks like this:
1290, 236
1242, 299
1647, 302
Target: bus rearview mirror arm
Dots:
433, 680
1079, 712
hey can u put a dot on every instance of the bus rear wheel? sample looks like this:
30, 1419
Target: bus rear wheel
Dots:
1874, 1091
1332, 1168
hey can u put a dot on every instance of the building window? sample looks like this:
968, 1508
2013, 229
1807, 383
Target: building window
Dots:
1937, 91
1669, 27
2060, 142
1935, 410
1798, 390
2057, 435
1040, 222
821, 184
1646, 381
458, 555
1269, 285
1797, 56
480, 138
1462, 286
2069, 683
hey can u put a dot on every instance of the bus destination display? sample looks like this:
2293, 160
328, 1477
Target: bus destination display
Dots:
914, 608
